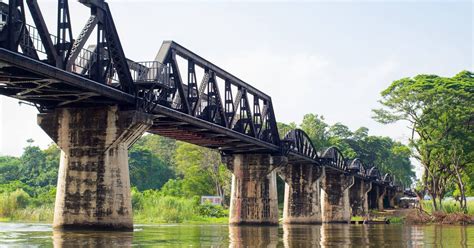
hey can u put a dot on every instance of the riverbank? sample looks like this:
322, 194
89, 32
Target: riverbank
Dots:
149, 207
417, 216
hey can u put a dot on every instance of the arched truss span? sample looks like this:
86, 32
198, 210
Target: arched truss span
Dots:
333, 157
356, 166
388, 179
374, 173
300, 143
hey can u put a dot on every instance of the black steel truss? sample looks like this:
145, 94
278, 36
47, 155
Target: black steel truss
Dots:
215, 109
229, 107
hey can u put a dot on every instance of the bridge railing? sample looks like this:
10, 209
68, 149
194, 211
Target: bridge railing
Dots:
142, 72
151, 72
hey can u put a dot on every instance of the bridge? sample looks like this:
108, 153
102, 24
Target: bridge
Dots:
94, 102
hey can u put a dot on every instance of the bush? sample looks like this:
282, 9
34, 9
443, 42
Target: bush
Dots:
12, 201
174, 187
209, 210
156, 207
137, 199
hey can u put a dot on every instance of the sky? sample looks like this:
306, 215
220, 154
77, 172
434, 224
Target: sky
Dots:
331, 58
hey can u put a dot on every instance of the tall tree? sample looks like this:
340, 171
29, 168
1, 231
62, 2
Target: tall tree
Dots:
440, 111
316, 129
147, 170
202, 171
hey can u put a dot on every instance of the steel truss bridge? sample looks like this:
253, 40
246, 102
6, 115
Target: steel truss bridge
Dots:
191, 98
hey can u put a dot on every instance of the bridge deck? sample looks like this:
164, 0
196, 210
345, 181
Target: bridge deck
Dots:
33, 81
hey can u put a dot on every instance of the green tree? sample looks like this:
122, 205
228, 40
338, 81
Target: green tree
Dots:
316, 129
33, 163
9, 169
164, 148
147, 170
440, 111
202, 171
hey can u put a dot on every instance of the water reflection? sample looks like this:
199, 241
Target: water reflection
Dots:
92, 239
331, 235
301, 235
253, 236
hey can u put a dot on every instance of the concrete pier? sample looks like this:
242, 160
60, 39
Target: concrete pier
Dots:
93, 189
335, 203
376, 197
381, 194
254, 193
358, 197
392, 196
302, 203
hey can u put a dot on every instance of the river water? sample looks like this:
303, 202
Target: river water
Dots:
330, 235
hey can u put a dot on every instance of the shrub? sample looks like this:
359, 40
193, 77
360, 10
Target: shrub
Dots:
12, 201
156, 207
137, 199
209, 210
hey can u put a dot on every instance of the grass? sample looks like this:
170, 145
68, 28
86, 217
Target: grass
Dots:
150, 207
396, 220
357, 218
448, 206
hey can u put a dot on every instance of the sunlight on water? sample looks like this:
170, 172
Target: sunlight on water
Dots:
334, 235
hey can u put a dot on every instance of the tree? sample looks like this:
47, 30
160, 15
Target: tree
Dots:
202, 171
9, 169
316, 129
164, 148
440, 112
388, 155
147, 170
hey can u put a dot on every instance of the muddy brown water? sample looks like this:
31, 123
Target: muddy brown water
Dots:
330, 235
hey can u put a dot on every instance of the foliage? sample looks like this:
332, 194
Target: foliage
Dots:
39, 168
209, 210
147, 170
440, 111
202, 171
316, 129
449, 206
388, 155
10, 201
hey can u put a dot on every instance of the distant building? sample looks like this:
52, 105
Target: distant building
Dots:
214, 200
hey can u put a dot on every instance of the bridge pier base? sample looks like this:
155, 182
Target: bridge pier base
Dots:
335, 203
254, 192
93, 189
358, 197
376, 197
381, 193
302, 203
392, 197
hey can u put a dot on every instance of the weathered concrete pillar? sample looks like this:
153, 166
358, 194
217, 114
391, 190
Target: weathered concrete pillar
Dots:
254, 192
302, 193
335, 204
372, 196
381, 191
358, 197
392, 196
93, 190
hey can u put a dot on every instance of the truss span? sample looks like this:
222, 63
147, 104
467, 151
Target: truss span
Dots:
191, 98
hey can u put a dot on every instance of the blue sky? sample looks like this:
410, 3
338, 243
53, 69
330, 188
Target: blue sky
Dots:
328, 58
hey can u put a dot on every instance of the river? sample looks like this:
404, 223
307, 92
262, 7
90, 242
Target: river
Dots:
330, 235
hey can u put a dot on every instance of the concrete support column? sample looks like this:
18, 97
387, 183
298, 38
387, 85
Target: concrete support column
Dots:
358, 197
381, 191
93, 190
302, 193
392, 197
335, 204
254, 192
